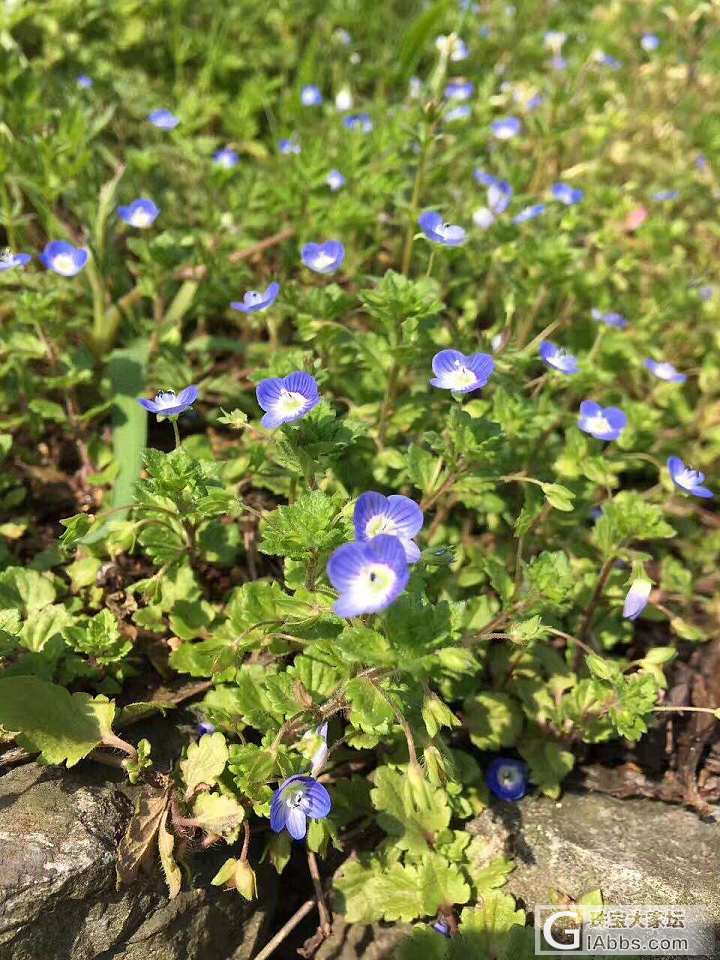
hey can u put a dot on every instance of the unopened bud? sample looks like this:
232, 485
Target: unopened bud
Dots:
245, 882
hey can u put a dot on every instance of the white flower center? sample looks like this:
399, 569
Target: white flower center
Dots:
509, 776
252, 297
290, 403
166, 398
687, 478
322, 261
379, 579
460, 377
64, 263
665, 371
295, 798
140, 218
380, 524
598, 424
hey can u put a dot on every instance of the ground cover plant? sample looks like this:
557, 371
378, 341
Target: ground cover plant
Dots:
359, 376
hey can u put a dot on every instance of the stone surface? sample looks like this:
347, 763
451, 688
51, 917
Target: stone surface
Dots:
635, 851
369, 941
58, 836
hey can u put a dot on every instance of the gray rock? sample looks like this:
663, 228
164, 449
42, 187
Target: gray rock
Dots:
636, 851
369, 941
58, 901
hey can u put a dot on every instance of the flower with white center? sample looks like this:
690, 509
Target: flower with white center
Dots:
344, 99
483, 218
254, 301
452, 47
566, 194
461, 112
649, 42
10, 260
507, 778
529, 213
435, 229
226, 158
687, 479
310, 96
358, 121
665, 371
460, 373
399, 516
557, 358
506, 128
459, 89
297, 800
603, 423
324, 257
163, 119
368, 575
335, 180
84, 81
289, 146
637, 598
611, 319
63, 258
169, 404
287, 399
140, 213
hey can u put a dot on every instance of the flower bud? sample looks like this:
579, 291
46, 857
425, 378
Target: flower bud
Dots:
245, 882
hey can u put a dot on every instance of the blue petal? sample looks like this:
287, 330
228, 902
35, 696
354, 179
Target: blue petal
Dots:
319, 803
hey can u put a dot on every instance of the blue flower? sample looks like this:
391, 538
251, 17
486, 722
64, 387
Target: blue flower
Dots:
506, 128
558, 358
603, 423
483, 218
369, 576
167, 404
140, 213
399, 516
324, 257
358, 121
499, 192
686, 479
665, 371
606, 60
63, 258
10, 260
701, 162
507, 778
287, 399
84, 81
537, 99
452, 47
558, 62
649, 42
163, 119
435, 229
529, 213
254, 302
459, 89
335, 180
204, 727
227, 158
637, 598
296, 800
441, 927
706, 293
609, 319
664, 195
311, 96
459, 373
287, 146
566, 194
461, 112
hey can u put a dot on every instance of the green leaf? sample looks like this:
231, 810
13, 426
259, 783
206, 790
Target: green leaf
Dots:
494, 720
62, 727
409, 813
549, 763
306, 527
442, 884
219, 813
558, 496
484, 929
204, 763
627, 517
166, 845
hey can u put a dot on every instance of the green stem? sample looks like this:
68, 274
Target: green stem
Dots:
415, 201
173, 421
595, 599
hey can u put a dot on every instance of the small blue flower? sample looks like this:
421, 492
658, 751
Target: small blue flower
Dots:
226, 158
324, 257
441, 927
163, 119
701, 162
435, 229
706, 293
287, 399
529, 213
536, 100
558, 358
358, 121
603, 423
460, 373
396, 515
296, 800
606, 60
499, 192
649, 42
459, 89
311, 96
664, 195
506, 128
686, 479
566, 194
637, 598
84, 81
10, 260
665, 371
461, 112
167, 404
63, 258
452, 47
140, 213
611, 319
369, 576
254, 302
288, 146
335, 180
204, 728
483, 218
507, 778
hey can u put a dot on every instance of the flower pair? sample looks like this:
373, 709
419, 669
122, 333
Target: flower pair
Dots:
372, 572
